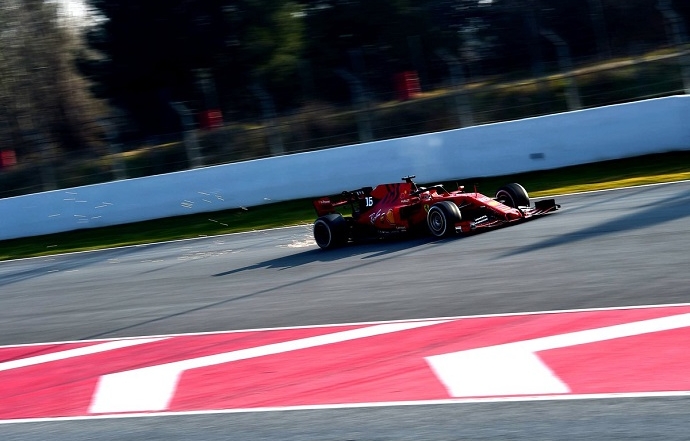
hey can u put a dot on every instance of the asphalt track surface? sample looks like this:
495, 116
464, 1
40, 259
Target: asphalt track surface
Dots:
606, 249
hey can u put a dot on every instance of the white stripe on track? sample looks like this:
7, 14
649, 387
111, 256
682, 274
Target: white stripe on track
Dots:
78, 352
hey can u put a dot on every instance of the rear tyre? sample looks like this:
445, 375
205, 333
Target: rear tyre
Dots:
513, 195
442, 217
330, 231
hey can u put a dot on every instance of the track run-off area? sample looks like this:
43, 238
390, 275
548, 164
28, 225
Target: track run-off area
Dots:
569, 326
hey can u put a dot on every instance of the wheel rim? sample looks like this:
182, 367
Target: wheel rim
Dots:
506, 199
322, 234
437, 222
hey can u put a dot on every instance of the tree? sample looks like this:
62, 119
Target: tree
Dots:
218, 53
152, 53
373, 40
42, 98
507, 32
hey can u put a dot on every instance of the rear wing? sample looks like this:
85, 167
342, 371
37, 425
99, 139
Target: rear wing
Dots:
324, 206
328, 204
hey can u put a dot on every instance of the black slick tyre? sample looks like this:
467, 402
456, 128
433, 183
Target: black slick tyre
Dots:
442, 217
330, 231
513, 195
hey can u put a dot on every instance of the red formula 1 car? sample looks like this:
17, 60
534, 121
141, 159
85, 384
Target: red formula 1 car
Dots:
406, 207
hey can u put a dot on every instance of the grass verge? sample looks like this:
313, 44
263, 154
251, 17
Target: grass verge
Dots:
667, 167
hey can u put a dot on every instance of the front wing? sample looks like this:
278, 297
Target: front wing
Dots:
542, 207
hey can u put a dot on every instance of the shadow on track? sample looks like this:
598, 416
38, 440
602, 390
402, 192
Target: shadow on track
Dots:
68, 262
367, 250
667, 210
370, 253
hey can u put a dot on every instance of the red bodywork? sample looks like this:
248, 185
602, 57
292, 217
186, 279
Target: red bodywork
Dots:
404, 206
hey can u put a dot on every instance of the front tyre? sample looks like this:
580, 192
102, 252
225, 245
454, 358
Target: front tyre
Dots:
513, 195
330, 231
442, 217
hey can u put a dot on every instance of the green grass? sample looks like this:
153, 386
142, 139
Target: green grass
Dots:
666, 167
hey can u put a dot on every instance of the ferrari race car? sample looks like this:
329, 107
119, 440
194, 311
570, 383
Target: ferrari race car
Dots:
405, 207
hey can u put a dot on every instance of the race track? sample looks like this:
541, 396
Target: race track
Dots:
607, 249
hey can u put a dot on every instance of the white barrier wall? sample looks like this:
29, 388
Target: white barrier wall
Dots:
546, 142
